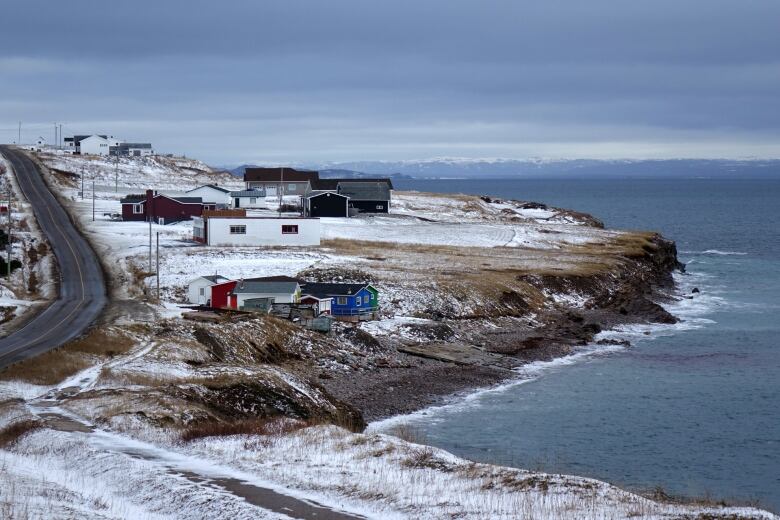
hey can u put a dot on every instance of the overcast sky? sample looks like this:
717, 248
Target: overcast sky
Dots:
340, 80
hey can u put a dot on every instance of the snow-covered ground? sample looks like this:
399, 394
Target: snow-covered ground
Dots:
148, 473
118, 464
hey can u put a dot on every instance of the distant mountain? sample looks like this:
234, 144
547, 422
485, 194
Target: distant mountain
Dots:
340, 173
549, 168
327, 173
561, 168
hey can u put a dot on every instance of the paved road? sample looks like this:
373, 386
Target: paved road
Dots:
82, 289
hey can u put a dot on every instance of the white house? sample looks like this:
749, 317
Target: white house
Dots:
256, 231
259, 293
249, 199
211, 193
97, 145
199, 289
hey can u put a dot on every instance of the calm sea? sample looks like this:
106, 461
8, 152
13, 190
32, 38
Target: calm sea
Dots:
694, 408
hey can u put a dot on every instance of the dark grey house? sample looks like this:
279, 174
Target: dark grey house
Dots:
325, 204
367, 197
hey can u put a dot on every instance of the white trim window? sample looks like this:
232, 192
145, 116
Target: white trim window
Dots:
365, 299
341, 300
253, 200
290, 229
291, 187
138, 209
238, 230
357, 301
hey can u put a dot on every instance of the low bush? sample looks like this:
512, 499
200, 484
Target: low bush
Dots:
271, 426
12, 433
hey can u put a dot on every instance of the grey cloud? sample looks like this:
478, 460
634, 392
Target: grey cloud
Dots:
342, 80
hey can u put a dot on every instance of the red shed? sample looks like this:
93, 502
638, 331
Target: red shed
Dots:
220, 295
164, 209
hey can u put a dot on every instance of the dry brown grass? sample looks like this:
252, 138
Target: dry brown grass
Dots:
54, 366
12, 433
272, 426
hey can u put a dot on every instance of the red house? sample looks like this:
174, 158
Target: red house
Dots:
162, 208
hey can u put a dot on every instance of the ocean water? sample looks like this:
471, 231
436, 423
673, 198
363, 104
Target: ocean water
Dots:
693, 408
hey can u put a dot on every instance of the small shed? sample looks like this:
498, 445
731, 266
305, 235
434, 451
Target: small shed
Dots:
250, 199
326, 204
199, 289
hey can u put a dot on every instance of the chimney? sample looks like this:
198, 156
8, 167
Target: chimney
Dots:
149, 204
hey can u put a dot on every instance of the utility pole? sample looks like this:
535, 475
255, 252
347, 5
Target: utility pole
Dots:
54, 143
158, 267
116, 171
19, 138
93, 200
10, 223
281, 192
150, 214
61, 140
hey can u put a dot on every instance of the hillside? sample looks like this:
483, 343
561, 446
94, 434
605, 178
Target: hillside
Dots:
471, 289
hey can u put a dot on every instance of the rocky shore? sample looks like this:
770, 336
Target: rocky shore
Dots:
461, 355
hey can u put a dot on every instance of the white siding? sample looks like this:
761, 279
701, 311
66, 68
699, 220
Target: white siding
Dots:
209, 194
94, 145
198, 286
276, 297
256, 202
263, 231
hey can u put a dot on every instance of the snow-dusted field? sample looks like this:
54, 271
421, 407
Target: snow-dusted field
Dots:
147, 473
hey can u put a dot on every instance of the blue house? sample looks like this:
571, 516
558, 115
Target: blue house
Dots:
350, 301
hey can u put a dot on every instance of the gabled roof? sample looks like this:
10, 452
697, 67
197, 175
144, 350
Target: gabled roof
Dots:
132, 199
141, 199
322, 290
212, 186
265, 287
184, 200
312, 194
277, 174
365, 190
332, 184
213, 278
248, 193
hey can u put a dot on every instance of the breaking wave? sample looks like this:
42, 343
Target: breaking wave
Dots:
688, 308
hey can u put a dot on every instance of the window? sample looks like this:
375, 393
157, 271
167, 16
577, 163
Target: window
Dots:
238, 230
341, 300
289, 230
138, 209
253, 200
380, 206
291, 187
357, 301
203, 291
365, 299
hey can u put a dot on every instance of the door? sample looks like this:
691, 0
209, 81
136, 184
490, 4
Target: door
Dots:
270, 191
202, 296
237, 203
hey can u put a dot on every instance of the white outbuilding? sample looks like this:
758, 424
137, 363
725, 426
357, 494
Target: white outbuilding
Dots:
211, 193
199, 289
256, 231
248, 199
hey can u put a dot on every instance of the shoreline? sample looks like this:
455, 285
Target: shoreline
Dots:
533, 370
